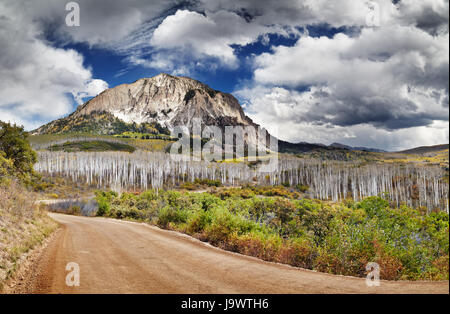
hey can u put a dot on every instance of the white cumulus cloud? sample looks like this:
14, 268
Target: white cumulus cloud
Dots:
382, 82
36, 79
209, 35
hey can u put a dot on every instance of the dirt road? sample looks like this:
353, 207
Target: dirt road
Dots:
124, 257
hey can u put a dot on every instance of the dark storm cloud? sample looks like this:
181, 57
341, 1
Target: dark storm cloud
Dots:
431, 21
379, 112
350, 84
431, 16
265, 11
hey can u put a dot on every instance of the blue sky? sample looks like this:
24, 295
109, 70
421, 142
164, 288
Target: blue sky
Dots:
115, 70
363, 73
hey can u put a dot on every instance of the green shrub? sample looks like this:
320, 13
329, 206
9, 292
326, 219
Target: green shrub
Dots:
188, 186
103, 206
103, 200
6, 169
208, 182
316, 219
302, 188
134, 214
346, 249
199, 221
224, 224
258, 244
172, 215
300, 252
16, 152
374, 206
207, 201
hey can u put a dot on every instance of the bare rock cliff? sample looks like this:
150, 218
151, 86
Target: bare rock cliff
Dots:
169, 101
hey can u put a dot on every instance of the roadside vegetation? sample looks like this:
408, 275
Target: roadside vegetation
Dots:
23, 225
337, 238
57, 187
16, 156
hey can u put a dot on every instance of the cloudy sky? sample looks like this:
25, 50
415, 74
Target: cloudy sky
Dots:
363, 73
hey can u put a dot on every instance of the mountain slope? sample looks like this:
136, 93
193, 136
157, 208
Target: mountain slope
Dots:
163, 100
425, 149
367, 149
157, 105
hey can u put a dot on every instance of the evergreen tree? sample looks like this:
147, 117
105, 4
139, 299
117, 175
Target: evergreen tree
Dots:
14, 146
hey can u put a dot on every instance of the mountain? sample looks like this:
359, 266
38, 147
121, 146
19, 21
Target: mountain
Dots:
157, 105
342, 146
163, 101
425, 149
302, 147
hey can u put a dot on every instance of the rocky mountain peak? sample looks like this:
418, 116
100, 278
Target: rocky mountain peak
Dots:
164, 99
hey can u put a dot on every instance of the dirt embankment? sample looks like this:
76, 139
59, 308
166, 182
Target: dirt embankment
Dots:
23, 227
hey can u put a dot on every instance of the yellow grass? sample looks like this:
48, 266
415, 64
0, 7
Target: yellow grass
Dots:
22, 227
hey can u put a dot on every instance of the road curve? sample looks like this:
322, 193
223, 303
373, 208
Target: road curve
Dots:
125, 257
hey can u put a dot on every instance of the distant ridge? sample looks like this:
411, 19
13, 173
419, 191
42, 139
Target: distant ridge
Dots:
366, 149
425, 149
